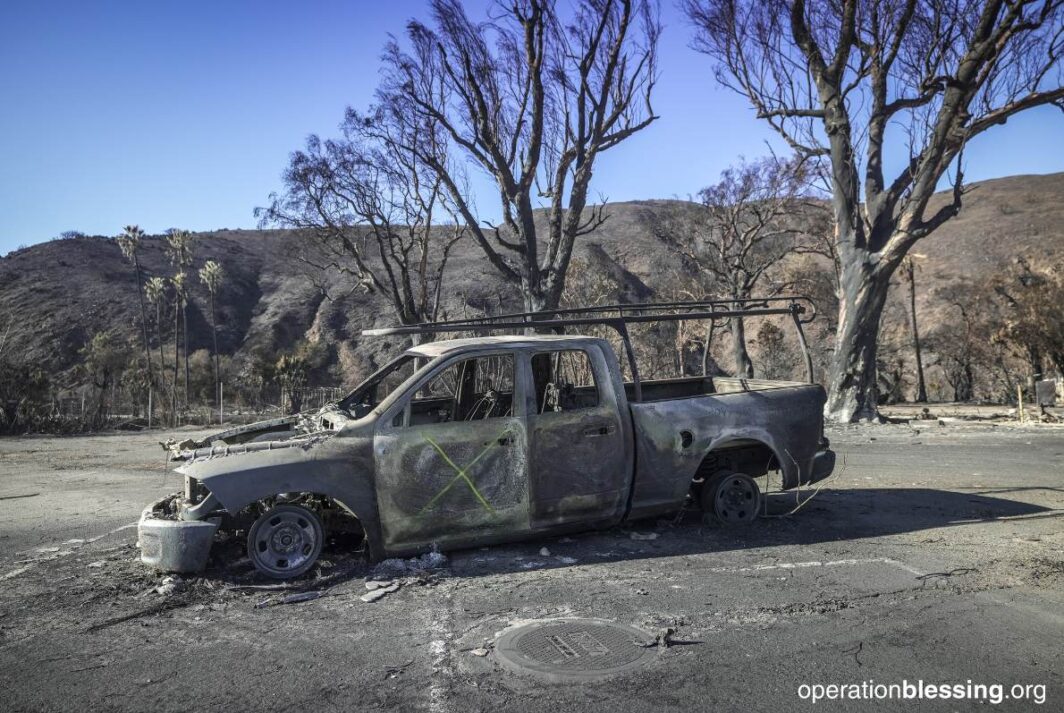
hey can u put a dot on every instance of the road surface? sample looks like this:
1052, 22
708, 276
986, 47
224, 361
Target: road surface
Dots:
936, 554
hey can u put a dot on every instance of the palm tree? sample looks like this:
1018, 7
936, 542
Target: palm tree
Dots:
178, 284
155, 290
212, 275
129, 243
179, 248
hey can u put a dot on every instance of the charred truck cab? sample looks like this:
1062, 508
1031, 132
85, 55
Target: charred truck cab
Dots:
489, 439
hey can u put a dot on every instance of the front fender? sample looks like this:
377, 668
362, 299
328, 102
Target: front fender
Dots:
335, 467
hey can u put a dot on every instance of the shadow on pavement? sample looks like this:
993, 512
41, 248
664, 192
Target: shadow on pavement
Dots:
831, 516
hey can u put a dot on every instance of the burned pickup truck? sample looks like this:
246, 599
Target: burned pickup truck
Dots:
495, 438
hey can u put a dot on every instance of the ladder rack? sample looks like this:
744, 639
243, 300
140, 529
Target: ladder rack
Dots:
801, 309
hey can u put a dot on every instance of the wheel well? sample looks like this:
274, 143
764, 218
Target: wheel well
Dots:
340, 522
751, 457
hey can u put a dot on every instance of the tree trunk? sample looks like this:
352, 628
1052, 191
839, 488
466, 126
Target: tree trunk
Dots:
710, 328
143, 317
184, 345
963, 391
854, 393
921, 387
744, 368
217, 370
159, 336
177, 352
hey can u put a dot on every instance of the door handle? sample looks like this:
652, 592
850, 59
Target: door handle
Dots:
598, 431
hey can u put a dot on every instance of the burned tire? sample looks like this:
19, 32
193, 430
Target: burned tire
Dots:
732, 498
285, 541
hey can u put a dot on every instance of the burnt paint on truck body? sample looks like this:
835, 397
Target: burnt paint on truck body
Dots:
338, 464
465, 483
775, 416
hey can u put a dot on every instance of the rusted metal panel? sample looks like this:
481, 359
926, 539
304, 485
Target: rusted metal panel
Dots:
456, 481
786, 420
581, 460
339, 466
441, 482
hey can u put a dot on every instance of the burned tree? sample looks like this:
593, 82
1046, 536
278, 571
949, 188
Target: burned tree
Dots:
830, 77
375, 208
1028, 297
531, 99
129, 243
742, 227
212, 275
179, 251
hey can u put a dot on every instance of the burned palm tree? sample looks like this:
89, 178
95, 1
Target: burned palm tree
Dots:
212, 275
129, 242
179, 250
177, 283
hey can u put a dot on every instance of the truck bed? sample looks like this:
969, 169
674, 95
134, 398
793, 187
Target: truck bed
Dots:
685, 428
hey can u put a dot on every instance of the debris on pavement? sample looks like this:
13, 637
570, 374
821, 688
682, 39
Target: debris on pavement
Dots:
544, 552
379, 593
292, 598
377, 584
481, 652
663, 639
170, 585
643, 535
303, 597
393, 671
393, 568
19, 497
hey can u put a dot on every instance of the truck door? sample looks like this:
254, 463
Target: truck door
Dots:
451, 456
579, 466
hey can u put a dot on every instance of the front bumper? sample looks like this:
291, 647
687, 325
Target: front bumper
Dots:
175, 545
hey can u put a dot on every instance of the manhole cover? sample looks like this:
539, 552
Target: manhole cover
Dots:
573, 649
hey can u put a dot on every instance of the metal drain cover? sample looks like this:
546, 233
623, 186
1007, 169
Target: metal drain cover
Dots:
564, 650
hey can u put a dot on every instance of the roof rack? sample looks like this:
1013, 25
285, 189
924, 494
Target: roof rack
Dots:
802, 310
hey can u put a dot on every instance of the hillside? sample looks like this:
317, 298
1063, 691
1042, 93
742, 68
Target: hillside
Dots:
54, 296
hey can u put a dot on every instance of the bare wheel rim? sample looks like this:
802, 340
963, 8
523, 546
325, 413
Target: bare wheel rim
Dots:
285, 541
737, 499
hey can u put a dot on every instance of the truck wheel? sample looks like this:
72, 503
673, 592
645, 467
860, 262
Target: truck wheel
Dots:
285, 541
732, 498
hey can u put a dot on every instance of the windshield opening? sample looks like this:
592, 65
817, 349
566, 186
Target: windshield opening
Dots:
371, 392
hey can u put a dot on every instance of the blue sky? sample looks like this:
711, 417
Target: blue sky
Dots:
182, 114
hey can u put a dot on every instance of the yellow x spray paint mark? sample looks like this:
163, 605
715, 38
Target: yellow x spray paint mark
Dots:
462, 473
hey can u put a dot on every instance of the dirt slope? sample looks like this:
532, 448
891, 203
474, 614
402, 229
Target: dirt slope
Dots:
56, 295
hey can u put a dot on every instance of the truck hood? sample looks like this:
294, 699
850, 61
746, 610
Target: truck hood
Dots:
299, 429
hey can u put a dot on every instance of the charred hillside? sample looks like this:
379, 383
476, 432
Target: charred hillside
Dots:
55, 296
